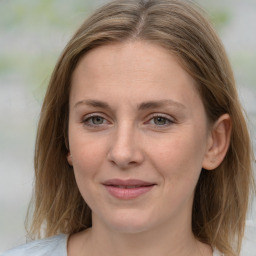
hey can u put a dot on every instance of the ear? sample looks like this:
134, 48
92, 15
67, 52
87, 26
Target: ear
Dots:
69, 158
218, 142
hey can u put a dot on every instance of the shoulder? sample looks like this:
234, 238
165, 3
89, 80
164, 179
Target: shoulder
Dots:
55, 246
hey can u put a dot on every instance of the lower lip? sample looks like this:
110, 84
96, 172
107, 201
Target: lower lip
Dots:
128, 193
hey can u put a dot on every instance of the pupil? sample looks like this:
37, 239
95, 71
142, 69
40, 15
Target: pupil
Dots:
97, 120
160, 120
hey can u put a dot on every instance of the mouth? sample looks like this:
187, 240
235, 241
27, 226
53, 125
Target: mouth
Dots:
127, 189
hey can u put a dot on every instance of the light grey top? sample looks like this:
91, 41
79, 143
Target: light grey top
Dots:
53, 246
57, 245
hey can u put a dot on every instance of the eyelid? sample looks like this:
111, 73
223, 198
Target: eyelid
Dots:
168, 117
162, 115
93, 114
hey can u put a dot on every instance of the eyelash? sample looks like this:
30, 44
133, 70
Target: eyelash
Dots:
87, 121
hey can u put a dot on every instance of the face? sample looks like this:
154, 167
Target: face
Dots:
138, 136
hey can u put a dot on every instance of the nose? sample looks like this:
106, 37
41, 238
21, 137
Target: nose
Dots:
125, 149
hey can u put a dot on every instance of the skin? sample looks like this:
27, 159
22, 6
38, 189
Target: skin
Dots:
115, 131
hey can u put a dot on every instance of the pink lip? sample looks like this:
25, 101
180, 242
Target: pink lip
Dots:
127, 189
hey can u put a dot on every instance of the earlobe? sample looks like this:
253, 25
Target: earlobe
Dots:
69, 158
218, 142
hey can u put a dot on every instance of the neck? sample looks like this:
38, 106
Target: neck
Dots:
162, 240
145, 243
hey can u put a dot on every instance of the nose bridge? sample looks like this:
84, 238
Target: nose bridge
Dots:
125, 150
124, 133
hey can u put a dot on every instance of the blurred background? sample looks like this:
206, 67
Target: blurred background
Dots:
32, 35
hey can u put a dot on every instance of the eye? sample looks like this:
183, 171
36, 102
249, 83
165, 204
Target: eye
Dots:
160, 120
95, 121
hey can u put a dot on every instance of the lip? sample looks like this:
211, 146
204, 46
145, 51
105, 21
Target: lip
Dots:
127, 189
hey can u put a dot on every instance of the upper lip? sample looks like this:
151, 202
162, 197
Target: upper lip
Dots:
129, 182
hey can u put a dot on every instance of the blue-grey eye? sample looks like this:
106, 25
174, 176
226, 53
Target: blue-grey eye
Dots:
97, 120
161, 120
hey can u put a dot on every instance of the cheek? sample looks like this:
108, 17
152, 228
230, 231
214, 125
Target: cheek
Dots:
181, 157
87, 155
87, 162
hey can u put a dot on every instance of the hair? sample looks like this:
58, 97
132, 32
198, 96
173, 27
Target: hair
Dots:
222, 195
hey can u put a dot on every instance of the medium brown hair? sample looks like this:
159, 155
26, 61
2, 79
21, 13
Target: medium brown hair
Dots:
222, 195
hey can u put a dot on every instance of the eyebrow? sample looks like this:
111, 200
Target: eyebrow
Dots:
142, 106
160, 103
93, 103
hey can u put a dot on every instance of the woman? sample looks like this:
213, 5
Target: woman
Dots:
142, 146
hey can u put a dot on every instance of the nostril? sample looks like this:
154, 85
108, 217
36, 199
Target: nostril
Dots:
124, 162
133, 163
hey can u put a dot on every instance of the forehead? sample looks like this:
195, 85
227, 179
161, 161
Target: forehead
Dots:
130, 68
